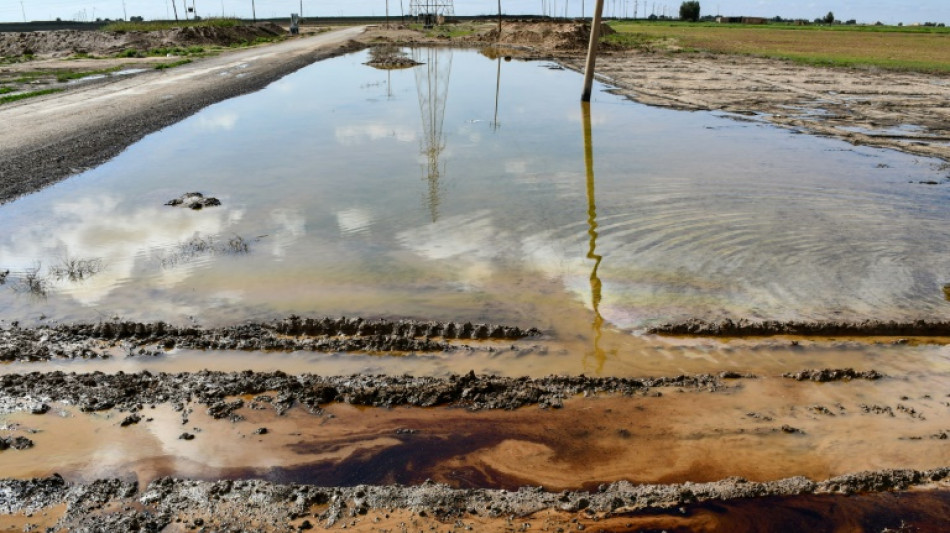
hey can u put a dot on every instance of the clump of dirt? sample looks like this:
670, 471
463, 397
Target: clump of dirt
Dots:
64, 43
194, 200
828, 374
16, 443
389, 57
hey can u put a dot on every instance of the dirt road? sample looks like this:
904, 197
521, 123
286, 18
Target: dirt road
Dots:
48, 138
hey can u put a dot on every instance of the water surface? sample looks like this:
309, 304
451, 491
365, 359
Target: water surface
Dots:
460, 190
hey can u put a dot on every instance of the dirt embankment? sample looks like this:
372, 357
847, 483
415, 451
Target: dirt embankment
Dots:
63, 43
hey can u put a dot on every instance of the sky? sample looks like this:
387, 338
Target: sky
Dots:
869, 11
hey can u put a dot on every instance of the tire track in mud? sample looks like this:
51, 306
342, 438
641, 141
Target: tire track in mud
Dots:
93, 341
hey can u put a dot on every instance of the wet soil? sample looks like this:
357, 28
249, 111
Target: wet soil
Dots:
92, 341
819, 422
751, 328
257, 505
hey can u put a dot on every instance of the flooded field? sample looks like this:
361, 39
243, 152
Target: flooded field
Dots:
458, 190
477, 189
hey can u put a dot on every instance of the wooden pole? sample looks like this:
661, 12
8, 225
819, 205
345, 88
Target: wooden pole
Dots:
253, 11
592, 51
175, 7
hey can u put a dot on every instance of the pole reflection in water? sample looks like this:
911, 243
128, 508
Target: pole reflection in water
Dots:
495, 123
432, 85
599, 354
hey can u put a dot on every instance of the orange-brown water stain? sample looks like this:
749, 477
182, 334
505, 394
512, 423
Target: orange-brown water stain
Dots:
923, 511
677, 437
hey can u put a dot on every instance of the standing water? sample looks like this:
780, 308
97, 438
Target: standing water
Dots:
461, 189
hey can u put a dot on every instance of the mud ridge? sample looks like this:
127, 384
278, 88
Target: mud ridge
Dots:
748, 328
131, 392
233, 504
833, 374
91, 341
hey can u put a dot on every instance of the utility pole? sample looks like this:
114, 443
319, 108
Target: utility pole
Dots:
184, 4
301, 9
592, 51
125, 14
175, 7
387, 13
499, 19
253, 11
23, 9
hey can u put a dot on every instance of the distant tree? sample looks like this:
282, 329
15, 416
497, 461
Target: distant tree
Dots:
829, 18
136, 19
689, 11
851, 22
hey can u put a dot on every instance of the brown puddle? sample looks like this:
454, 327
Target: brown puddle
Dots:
764, 429
917, 511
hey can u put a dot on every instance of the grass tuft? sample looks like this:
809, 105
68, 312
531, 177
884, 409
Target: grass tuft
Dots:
14, 97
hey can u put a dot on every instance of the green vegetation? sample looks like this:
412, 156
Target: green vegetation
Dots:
22, 96
447, 31
169, 25
162, 52
918, 48
259, 40
66, 76
163, 66
6, 90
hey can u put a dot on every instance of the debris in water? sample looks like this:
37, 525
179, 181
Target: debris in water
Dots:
194, 200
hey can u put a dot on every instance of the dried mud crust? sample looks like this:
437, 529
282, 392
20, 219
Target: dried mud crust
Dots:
262, 506
751, 328
91, 341
861, 106
131, 392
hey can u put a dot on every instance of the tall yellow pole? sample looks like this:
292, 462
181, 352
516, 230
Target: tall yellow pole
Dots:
592, 51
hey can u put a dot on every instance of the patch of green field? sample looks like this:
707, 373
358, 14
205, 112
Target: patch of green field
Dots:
66, 76
6, 90
169, 25
919, 49
22, 96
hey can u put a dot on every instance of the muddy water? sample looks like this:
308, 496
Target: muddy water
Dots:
591, 440
459, 190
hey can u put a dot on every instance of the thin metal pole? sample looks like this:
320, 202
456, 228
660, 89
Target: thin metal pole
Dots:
499, 19
23, 9
592, 51
175, 7
253, 11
